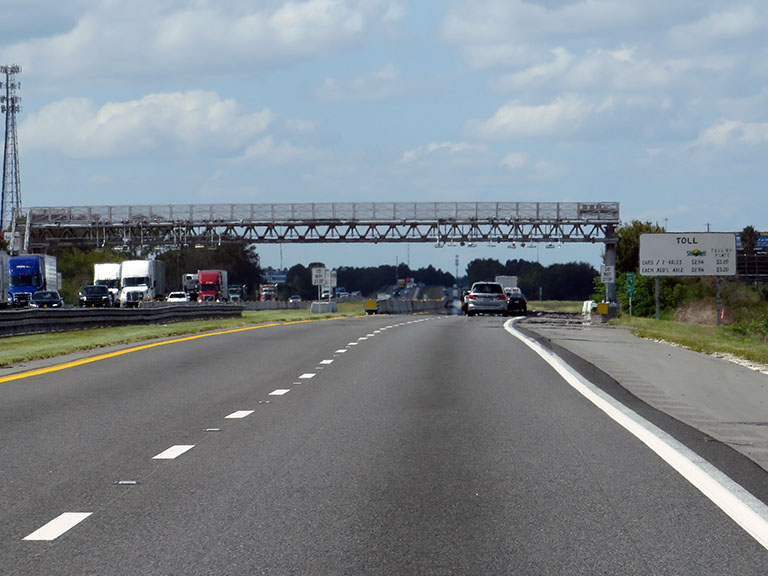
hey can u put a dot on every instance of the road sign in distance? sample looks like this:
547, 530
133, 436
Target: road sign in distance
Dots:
688, 254
318, 276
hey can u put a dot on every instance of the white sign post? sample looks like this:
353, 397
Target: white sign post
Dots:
607, 274
688, 254
318, 278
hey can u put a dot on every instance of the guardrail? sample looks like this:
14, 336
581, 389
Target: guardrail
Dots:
395, 306
275, 305
44, 320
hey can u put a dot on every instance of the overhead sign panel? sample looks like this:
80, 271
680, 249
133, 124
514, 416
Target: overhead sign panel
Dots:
688, 254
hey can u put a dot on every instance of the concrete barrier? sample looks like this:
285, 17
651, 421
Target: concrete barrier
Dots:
397, 306
323, 308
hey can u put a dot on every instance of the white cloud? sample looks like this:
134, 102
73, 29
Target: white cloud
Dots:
532, 169
505, 33
176, 123
729, 133
147, 37
515, 161
274, 153
439, 148
514, 120
735, 23
380, 84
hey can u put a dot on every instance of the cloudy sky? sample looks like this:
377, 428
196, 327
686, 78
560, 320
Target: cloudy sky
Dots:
661, 106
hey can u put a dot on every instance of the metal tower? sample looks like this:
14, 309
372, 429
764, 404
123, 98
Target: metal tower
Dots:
10, 104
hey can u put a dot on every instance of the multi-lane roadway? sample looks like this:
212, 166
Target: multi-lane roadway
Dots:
378, 445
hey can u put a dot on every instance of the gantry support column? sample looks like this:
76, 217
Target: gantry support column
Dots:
610, 260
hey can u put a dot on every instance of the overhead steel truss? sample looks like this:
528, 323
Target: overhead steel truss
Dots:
442, 223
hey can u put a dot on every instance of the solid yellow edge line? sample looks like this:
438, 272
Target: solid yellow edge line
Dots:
90, 359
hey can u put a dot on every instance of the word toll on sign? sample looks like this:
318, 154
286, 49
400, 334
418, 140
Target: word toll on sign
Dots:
688, 254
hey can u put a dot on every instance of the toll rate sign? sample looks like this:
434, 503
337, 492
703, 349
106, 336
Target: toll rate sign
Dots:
688, 254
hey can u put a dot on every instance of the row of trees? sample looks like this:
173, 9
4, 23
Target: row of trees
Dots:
366, 280
571, 281
557, 282
240, 261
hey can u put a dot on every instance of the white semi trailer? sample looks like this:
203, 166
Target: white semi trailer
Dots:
141, 281
108, 274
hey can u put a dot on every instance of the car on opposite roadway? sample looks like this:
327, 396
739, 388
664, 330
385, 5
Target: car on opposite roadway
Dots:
295, 298
516, 302
486, 298
177, 297
95, 296
46, 299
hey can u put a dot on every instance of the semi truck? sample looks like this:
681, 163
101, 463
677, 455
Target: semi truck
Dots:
212, 286
141, 281
191, 285
28, 273
508, 282
237, 292
4, 283
268, 292
108, 274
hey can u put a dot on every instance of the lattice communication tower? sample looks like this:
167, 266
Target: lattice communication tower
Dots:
10, 105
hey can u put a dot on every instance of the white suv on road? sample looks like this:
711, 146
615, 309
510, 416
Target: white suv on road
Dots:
488, 298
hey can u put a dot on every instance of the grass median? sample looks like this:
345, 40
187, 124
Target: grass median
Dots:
18, 349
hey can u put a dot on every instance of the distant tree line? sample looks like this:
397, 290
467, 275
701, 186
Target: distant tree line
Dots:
366, 280
573, 281
240, 261
557, 282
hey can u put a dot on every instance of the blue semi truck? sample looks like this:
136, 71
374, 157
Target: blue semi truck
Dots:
29, 273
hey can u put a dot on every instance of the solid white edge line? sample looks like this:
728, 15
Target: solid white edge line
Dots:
743, 508
174, 452
58, 526
240, 414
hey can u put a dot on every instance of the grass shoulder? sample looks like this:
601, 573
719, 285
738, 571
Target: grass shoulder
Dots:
707, 339
18, 349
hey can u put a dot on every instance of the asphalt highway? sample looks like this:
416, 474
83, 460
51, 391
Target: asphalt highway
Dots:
381, 445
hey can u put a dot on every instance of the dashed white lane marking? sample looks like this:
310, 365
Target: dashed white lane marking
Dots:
325, 362
279, 392
371, 335
340, 351
240, 414
743, 508
174, 452
363, 338
58, 526
352, 344
306, 376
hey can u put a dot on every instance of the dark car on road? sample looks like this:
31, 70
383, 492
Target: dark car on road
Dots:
46, 299
516, 302
95, 296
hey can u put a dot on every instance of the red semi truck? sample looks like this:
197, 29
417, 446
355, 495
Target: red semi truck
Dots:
268, 292
212, 286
